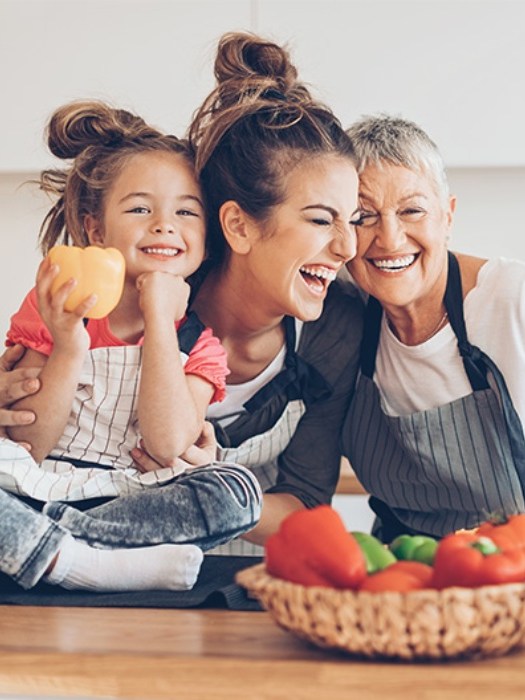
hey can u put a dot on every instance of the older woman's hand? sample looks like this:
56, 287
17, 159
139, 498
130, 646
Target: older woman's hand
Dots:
198, 455
15, 384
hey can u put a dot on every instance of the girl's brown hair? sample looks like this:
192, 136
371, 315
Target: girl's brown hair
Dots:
98, 140
256, 125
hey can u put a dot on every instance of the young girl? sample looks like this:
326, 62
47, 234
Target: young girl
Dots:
145, 373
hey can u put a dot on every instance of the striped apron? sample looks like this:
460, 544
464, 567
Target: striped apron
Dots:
260, 452
91, 459
445, 468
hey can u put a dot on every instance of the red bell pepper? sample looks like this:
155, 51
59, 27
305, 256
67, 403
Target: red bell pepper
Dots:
508, 532
471, 560
402, 576
313, 548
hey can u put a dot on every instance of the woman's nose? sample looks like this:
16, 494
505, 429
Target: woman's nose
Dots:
344, 244
389, 231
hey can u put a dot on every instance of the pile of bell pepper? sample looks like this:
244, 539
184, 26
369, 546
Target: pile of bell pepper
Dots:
313, 548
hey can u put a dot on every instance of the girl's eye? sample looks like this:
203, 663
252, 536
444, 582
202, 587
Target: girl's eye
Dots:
186, 212
138, 210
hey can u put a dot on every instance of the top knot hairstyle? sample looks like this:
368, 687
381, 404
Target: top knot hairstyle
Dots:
254, 128
99, 140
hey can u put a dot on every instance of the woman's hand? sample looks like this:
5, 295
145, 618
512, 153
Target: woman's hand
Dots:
15, 384
198, 455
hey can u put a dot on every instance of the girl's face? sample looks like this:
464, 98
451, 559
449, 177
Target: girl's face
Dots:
402, 242
296, 253
153, 214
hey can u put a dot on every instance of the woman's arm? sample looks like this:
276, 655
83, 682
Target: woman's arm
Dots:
60, 371
172, 405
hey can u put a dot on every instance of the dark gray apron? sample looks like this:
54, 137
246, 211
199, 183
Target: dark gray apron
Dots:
446, 468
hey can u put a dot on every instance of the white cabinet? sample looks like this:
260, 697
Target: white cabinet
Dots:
455, 66
151, 56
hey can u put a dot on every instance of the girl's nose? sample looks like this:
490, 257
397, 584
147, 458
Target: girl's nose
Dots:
163, 227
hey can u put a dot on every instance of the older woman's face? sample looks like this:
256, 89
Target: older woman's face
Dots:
401, 244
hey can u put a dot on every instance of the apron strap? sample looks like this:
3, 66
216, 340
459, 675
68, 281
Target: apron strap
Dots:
298, 379
473, 358
190, 331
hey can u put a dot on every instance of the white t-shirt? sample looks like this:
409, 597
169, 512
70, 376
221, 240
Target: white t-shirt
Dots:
416, 378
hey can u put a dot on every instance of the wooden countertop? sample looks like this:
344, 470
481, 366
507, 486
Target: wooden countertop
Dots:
208, 654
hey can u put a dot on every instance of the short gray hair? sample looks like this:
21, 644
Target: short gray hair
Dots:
381, 138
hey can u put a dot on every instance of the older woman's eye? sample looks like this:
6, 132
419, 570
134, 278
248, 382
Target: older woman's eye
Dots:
412, 214
367, 218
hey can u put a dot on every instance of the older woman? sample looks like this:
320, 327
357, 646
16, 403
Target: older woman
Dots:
434, 431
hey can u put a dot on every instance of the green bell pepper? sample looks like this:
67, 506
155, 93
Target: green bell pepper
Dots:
377, 554
414, 548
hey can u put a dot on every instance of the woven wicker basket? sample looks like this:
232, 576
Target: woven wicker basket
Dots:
429, 624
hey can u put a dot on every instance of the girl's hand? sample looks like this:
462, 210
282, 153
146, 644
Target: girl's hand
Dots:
66, 327
200, 454
163, 294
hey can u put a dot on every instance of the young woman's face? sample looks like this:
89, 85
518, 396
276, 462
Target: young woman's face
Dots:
307, 239
153, 214
402, 242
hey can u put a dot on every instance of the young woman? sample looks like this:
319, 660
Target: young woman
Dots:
280, 190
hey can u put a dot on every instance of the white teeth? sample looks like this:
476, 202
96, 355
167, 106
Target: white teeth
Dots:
322, 272
394, 263
172, 252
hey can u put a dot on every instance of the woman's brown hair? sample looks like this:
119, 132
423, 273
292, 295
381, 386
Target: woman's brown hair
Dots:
256, 125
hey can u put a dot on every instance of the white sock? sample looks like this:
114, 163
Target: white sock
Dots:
173, 567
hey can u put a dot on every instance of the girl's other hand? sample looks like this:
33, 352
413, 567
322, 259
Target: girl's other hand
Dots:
200, 454
163, 294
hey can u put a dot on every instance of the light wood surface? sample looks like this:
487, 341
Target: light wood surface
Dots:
208, 654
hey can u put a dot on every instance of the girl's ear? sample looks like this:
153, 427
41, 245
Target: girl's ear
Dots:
93, 230
237, 226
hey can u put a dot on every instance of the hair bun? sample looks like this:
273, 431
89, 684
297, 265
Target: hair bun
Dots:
244, 56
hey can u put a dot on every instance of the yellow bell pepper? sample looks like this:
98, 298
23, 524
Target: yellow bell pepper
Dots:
97, 271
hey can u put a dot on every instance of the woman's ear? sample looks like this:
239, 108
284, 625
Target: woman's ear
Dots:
451, 210
93, 230
237, 227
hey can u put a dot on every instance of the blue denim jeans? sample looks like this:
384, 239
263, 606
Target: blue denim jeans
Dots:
206, 507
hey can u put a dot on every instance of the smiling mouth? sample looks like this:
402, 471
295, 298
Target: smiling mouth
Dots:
163, 252
398, 264
317, 278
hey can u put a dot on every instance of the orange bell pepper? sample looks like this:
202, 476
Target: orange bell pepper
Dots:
401, 577
471, 560
97, 271
313, 548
